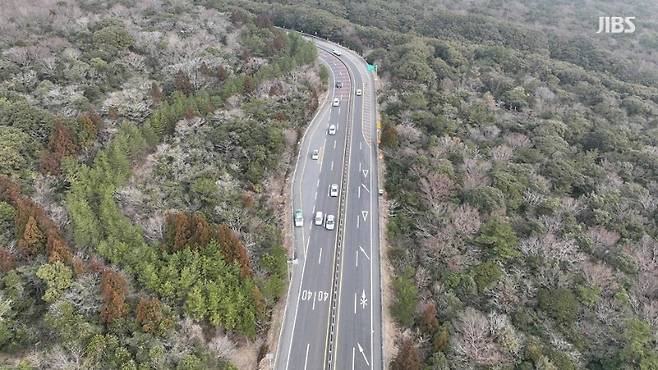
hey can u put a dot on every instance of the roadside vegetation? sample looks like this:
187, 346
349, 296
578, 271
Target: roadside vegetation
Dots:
521, 161
142, 149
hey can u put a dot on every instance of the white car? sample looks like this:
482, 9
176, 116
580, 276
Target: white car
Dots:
333, 190
337, 52
299, 218
359, 92
315, 155
336, 102
319, 218
330, 224
332, 130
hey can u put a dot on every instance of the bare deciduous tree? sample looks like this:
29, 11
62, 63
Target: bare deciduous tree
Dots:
466, 219
473, 338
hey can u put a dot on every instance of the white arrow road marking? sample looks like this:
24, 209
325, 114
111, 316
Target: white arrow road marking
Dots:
364, 214
364, 301
364, 252
364, 186
363, 354
365, 173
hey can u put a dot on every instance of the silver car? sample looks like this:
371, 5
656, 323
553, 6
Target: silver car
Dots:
332, 130
336, 102
315, 155
330, 224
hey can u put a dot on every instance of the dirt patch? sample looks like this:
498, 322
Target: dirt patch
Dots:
389, 328
246, 355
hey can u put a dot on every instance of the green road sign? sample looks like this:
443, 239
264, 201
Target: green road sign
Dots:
372, 68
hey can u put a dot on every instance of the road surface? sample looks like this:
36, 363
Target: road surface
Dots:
333, 309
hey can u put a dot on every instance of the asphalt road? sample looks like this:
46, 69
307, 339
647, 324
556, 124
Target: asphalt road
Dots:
333, 309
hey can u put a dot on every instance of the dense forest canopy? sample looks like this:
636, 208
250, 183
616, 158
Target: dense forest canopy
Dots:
521, 176
143, 147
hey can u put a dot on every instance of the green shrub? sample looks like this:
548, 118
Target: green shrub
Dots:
406, 298
559, 303
486, 274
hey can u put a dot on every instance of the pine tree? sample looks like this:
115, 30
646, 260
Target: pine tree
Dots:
182, 83
222, 73
32, 238
233, 250
202, 233
195, 304
113, 291
407, 358
156, 93
149, 314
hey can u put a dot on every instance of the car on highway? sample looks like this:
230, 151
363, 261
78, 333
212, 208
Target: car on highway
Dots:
337, 52
332, 129
319, 218
333, 190
336, 102
339, 84
316, 154
359, 92
330, 224
299, 218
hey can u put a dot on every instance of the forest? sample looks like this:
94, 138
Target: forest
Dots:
521, 164
142, 149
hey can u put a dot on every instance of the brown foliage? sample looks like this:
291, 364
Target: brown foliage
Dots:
7, 261
79, 266
156, 93
113, 113
34, 228
96, 265
62, 143
113, 292
57, 248
428, 321
182, 83
201, 232
248, 85
234, 250
407, 358
185, 230
31, 239
178, 230
91, 122
441, 339
263, 21
149, 314
222, 73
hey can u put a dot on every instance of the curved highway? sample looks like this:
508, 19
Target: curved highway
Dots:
333, 309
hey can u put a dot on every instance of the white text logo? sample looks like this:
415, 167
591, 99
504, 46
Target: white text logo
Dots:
616, 25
